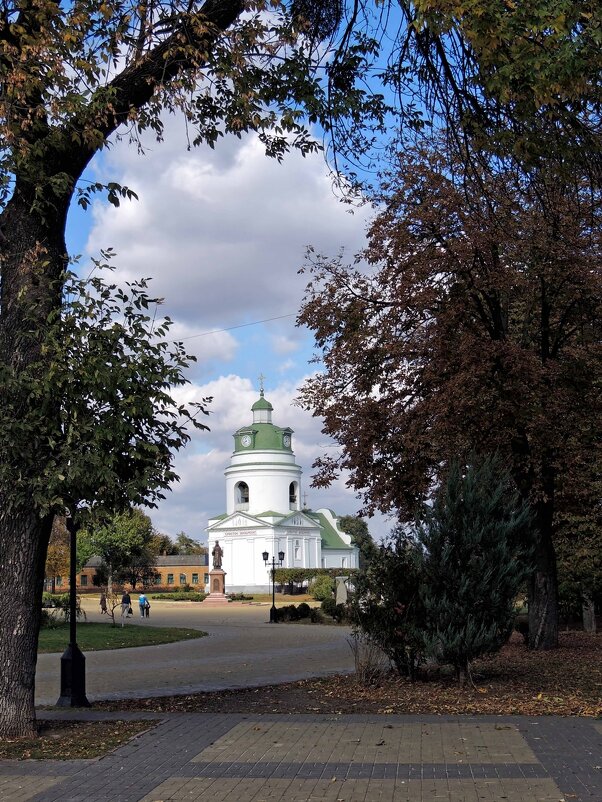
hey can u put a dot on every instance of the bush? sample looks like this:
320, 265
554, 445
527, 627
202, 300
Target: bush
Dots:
48, 619
322, 588
180, 596
371, 663
48, 600
239, 597
304, 610
329, 607
61, 603
287, 613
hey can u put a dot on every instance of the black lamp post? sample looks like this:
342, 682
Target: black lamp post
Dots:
73, 662
273, 563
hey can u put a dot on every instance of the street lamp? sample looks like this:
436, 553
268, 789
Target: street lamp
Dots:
73, 662
273, 563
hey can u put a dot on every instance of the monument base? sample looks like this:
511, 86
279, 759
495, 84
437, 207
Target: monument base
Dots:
217, 587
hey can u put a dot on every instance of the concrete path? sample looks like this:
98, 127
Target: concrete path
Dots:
241, 650
252, 758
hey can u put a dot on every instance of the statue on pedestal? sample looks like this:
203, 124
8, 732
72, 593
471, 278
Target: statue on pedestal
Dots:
217, 555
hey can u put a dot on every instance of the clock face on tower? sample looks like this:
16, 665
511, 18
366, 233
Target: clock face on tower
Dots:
286, 440
245, 440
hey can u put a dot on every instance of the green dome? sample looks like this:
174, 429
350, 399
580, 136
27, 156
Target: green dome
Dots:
262, 434
262, 403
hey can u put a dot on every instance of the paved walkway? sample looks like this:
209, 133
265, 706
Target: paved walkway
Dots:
242, 650
252, 758
308, 758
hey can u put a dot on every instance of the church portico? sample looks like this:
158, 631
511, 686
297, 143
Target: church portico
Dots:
264, 511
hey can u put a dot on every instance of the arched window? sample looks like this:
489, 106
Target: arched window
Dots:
292, 495
241, 496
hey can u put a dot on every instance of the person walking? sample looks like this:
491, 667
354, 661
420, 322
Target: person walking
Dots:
142, 604
126, 603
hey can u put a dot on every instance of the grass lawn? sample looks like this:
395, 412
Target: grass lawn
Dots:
285, 598
92, 637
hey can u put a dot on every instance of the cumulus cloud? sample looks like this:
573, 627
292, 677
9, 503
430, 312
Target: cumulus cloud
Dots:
222, 234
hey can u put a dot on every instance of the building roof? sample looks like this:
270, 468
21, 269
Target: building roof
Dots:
262, 403
330, 537
163, 561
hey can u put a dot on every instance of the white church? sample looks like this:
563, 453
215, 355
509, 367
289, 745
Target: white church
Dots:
264, 512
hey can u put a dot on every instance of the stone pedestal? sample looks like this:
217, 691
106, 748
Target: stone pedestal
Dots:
341, 590
217, 587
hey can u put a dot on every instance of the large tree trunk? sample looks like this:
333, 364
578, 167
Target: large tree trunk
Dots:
32, 260
543, 585
22, 558
589, 614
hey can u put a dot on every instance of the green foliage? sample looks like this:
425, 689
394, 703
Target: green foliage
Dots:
177, 596
328, 606
110, 365
124, 543
186, 545
302, 576
304, 610
62, 607
340, 612
387, 604
288, 612
475, 562
360, 537
322, 587
239, 597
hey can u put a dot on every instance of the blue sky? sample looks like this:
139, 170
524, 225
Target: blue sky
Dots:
222, 234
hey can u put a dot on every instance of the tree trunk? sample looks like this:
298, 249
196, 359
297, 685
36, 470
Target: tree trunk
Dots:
32, 260
589, 614
22, 558
543, 586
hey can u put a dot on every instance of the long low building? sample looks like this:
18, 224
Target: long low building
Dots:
172, 572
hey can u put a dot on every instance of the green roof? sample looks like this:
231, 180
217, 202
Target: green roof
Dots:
262, 403
330, 537
262, 436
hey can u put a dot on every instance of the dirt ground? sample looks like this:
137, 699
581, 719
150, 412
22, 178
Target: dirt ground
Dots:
565, 681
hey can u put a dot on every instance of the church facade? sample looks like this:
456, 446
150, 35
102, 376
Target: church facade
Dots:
264, 511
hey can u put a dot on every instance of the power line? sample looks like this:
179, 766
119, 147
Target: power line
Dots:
240, 326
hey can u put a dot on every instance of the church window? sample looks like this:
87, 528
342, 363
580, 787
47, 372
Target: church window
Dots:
344, 562
241, 496
292, 495
297, 550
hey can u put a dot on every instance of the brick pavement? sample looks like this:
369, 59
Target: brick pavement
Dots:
314, 758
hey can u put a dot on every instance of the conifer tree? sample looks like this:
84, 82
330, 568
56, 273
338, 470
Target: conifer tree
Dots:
475, 562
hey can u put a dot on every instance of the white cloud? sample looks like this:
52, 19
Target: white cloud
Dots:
222, 234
